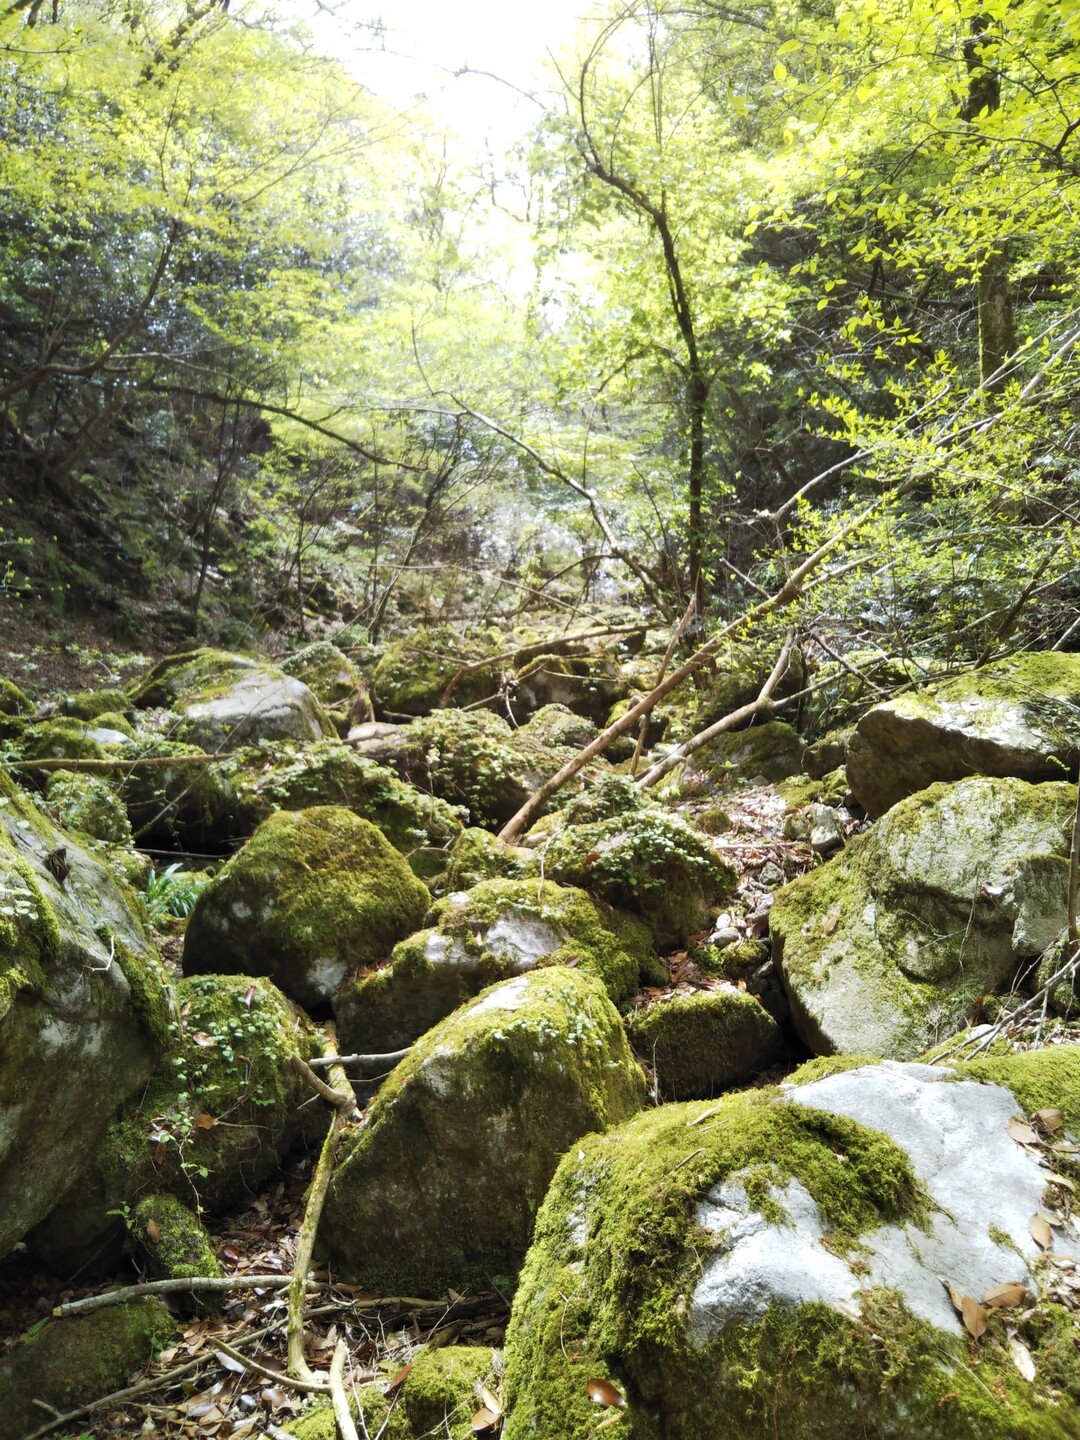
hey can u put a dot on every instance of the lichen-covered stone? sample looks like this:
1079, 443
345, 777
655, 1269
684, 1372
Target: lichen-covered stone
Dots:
492, 932
772, 751
84, 1009
777, 1258
886, 948
12, 700
478, 855
70, 1362
441, 1184
1018, 717
438, 1397
412, 674
215, 1120
647, 862
89, 803
702, 1044
286, 777
312, 896
225, 700
327, 672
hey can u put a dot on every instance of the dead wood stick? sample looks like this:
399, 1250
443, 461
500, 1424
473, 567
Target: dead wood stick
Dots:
1074, 875
314, 1387
764, 701
340, 1401
676, 636
106, 767
344, 1103
391, 1057
335, 1097
172, 1286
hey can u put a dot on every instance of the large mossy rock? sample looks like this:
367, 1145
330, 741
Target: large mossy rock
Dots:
212, 1124
773, 1264
438, 1397
225, 700
90, 804
772, 751
441, 1185
327, 672
70, 1362
497, 930
886, 948
178, 799
84, 1009
313, 895
648, 862
412, 674
275, 777
702, 1044
1017, 717
586, 685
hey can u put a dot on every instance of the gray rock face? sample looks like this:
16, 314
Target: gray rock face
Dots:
83, 1010
442, 1183
1017, 717
227, 700
785, 1255
884, 949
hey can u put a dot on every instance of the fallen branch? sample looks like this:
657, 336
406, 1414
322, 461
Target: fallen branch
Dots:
344, 1102
170, 1287
307, 1387
764, 702
346, 1428
676, 636
391, 1057
336, 1097
106, 767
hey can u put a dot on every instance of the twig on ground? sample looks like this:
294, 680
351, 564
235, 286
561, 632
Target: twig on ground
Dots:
167, 1287
346, 1428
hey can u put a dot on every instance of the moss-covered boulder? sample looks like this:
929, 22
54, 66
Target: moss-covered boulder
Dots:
279, 776
586, 684
699, 1045
740, 672
215, 1120
647, 862
886, 948
776, 1259
412, 674
92, 704
72, 740
225, 700
89, 803
438, 1397
312, 896
499, 929
1018, 717
327, 672
12, 700
169, 1242
441, 1185
558, 725
84, 1008
179, 797
771, 751
70, 1362
478, 855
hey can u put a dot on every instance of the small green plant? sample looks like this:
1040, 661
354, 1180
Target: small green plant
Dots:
173, 892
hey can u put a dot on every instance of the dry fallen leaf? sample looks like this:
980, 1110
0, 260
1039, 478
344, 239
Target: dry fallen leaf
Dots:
604, 1393
974, 1317
202, 1038
484, 1421
229, 1362
1022, 1359
153, 1231
249, 996
204, 1121
1022, 1133
955, 1295
396, 1380
1041, 1232
1004, 1297
1049, 1120
492, 1402
273, 1398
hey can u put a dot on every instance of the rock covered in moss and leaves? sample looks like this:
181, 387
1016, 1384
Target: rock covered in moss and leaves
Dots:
827, 754
280, 776
186, 803
438, 1397
441, 1184
478, 855
589, 685
781, 1254
886, 948
648, 862
492, 932
327, 672
93, 704
72, 740
558, 725
89, 803
169, 1242
772, 751
84, 1008
412, 674
73, 1361
12, 700
313, 895
702, 1044
1019, 716
225, 700
741, 672
213, 1122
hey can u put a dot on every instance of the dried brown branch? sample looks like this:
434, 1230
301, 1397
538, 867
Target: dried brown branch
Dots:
676, 636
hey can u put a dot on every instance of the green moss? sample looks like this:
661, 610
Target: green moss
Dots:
62, 740
313, 895
773, 751
12, 699
172, 1244
474, 1121
96, 705
732, 962
1040, 1079
699, 1045
477, 856
326, 671
825, 1065
186, 673
412, 675
71, 1362
799, 790
650, 863
88, 803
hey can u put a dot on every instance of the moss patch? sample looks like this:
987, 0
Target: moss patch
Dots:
699, 1045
